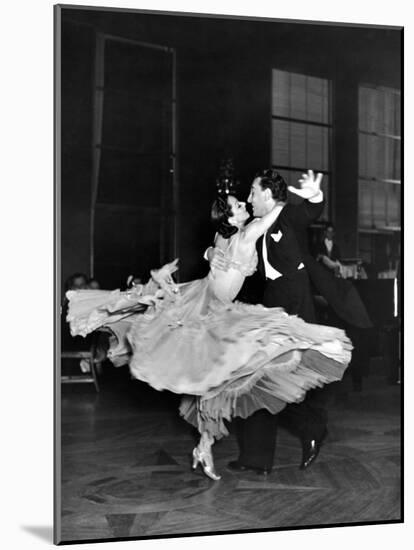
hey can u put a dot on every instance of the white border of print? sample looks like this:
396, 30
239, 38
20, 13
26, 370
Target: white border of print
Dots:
27, 274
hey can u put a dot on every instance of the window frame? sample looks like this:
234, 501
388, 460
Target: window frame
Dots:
328, 212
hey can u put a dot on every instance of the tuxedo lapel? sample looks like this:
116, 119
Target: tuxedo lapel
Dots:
274, 228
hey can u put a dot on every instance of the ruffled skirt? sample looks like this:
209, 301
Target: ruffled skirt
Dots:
232, 358
227, 358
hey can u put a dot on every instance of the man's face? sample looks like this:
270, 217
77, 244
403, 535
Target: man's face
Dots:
258, 198
330, 233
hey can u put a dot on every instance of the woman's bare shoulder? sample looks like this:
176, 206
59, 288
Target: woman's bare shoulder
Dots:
220, 241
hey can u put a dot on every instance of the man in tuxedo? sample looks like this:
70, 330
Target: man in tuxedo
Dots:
281, 264
328, 253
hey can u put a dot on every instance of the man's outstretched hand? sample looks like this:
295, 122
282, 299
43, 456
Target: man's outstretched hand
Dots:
310, 185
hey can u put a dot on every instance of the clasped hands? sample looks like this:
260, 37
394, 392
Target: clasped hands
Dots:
217, 259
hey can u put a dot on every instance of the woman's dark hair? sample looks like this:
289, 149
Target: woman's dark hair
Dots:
220, 213
271, 179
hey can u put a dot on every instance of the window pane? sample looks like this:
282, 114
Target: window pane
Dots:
392, 156
379, 111
280, 93
389, 114
394, 202
374, 113
363, 156
317, 148
374, 159
365, 204
379, 157
280, 142
291, 177
325, 112
298, 96
379, 114
379, 203
317, 100
298, 144
397, 114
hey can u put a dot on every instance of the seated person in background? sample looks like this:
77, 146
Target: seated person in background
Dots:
328, 253
93, 284
79, 281
76, 281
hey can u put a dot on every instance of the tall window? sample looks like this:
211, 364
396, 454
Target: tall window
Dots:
379, 158
379, 172
301, 127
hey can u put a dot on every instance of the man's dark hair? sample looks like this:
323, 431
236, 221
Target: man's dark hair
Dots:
220, 213
271, 179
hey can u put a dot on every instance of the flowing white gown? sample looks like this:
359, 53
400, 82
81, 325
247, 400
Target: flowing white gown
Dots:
228, 358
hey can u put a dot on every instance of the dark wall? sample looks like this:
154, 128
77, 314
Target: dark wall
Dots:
76, 91
224, 86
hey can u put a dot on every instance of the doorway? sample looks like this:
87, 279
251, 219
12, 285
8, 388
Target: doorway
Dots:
134, 175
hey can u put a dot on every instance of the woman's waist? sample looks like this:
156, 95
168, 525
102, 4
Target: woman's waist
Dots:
225, 285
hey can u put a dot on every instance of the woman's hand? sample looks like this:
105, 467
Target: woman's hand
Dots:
217, 259
164, 278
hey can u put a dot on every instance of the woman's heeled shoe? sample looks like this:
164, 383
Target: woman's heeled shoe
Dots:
205, 459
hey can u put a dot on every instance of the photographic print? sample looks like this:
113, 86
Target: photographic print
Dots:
228, 290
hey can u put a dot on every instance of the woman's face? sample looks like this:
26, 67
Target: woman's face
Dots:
238, 208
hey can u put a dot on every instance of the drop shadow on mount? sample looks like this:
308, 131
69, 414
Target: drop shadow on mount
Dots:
44, 532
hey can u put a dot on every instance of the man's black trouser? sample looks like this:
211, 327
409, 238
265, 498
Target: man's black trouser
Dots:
256, 435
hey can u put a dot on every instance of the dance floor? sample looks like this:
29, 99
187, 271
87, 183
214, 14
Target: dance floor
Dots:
126, 467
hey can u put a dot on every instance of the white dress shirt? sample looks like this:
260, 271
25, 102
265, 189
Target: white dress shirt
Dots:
329, 245
270, 271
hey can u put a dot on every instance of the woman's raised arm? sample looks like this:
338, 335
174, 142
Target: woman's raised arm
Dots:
259, 226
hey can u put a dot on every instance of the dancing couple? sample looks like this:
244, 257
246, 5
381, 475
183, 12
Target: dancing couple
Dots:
230, 359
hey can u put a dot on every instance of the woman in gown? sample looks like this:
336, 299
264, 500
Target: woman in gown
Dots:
227, 358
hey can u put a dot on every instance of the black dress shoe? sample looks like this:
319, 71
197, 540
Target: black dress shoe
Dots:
239, 467
310, 450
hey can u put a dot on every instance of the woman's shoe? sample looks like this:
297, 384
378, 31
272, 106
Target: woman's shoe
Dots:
205, 459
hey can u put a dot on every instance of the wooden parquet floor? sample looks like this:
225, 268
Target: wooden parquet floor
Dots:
126, 468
